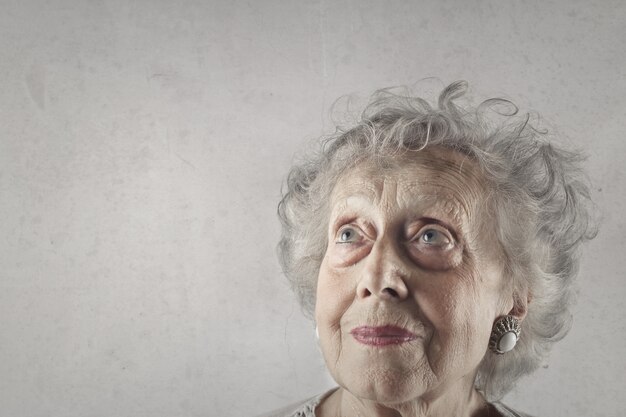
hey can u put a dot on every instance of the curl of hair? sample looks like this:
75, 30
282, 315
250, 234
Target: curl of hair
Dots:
538, 196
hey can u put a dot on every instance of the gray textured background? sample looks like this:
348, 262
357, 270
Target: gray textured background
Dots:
142, 149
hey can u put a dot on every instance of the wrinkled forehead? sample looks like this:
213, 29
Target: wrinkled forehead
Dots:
433, 175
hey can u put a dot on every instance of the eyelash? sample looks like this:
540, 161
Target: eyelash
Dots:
342, 230
429, 228
419, 237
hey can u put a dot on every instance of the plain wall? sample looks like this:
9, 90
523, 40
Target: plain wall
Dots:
142, 151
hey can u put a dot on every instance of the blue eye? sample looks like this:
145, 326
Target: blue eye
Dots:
347, 235
435, 237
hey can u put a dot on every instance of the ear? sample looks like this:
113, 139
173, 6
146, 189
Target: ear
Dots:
520, 305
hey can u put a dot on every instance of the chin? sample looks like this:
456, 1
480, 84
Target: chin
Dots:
385, 386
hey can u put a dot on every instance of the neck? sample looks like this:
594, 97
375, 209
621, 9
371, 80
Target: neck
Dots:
454, 401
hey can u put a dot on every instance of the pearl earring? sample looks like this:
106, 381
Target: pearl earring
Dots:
505, 334
317, 333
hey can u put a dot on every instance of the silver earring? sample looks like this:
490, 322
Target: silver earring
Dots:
317, 333
505, 334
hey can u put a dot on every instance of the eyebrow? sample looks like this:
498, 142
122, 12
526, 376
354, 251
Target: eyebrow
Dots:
426, 207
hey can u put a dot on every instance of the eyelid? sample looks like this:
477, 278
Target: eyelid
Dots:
342, 221
438, 227
363, 227
356, 229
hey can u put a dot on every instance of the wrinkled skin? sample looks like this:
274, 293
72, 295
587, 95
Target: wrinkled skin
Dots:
410, 246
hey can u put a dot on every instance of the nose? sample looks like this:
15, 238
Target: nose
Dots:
384, 275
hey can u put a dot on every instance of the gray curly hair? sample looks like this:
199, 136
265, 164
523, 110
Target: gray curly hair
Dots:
539, 198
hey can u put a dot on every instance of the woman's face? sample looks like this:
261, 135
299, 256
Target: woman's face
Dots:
411, 282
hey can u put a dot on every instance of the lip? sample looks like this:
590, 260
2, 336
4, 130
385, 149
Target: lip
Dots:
382, 335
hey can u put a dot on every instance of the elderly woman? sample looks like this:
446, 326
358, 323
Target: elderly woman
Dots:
436, 251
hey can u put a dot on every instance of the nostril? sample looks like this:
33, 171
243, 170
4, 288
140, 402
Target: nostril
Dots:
391, 292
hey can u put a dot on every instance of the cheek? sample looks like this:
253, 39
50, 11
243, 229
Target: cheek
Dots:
342, 256
334, 296
441, 307
458, 313
335, 292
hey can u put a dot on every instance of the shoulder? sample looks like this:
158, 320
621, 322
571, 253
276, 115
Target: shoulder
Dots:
304, 408
507, 411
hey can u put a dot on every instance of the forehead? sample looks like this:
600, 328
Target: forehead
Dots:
433, 176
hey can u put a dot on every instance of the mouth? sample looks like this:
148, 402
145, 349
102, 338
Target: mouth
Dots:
382, 335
